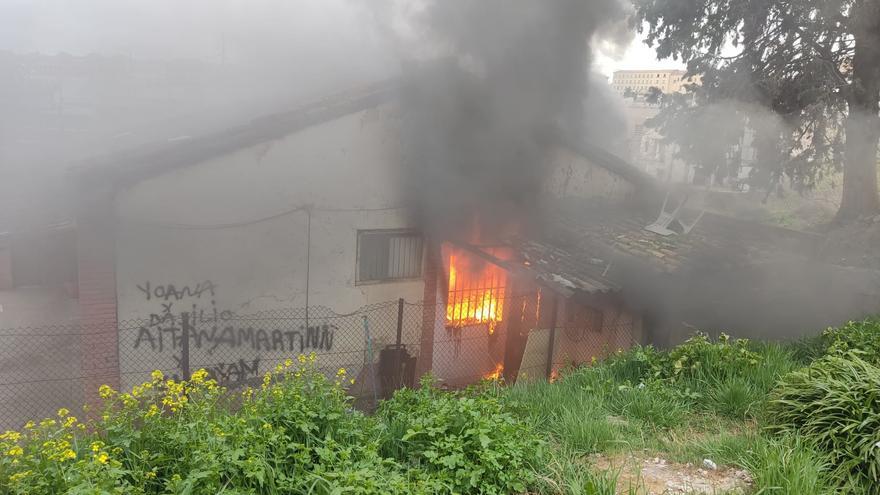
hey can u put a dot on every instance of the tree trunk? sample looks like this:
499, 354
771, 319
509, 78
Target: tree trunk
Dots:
860, 195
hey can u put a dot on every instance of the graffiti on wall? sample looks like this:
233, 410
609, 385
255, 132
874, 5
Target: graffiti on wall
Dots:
230, 347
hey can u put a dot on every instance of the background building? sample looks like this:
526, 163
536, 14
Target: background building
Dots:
639, 81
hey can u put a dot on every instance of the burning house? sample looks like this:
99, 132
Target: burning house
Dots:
516, 305
257, 219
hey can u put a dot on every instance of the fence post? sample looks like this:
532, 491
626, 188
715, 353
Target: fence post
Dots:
369, 342
398, 348
551, 341
184, 345
399, 322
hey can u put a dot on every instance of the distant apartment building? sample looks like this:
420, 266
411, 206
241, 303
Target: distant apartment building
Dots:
639, 81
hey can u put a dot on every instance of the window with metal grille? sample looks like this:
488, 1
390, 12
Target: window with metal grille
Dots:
387, 255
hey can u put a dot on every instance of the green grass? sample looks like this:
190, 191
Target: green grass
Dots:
566, 475
703, 400
787, 466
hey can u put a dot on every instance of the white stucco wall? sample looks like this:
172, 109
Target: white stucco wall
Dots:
191, 228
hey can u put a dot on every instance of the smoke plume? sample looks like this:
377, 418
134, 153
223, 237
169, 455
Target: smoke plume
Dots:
490, 85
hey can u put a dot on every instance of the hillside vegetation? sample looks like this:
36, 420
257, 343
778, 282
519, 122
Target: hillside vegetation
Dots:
799, 418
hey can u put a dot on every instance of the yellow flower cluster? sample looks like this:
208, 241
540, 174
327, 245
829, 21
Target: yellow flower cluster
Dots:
170, 394
58, 450
175, 395
11, 436
17, 477
106, 392
53, 439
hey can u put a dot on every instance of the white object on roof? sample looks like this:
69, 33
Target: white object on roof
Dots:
668, 219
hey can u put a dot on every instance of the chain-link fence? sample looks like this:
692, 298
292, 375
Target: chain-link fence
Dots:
382, 346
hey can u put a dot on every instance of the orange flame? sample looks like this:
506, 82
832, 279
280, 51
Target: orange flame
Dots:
496, 373
476, 293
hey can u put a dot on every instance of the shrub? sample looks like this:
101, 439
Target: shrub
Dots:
295, 434
861, 337
699, 358
635, 365
835, 403
466, 441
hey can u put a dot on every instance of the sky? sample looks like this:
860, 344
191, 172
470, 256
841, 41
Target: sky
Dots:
213, 29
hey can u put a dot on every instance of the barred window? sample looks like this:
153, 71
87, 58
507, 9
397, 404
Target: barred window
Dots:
387, 255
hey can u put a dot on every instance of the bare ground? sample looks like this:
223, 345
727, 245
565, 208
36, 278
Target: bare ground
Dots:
656, 476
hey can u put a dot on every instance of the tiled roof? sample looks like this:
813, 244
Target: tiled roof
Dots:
587, 244
574, 270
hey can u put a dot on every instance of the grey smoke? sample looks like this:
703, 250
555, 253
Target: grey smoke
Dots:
503, 80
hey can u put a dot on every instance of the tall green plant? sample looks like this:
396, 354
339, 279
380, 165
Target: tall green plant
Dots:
835, 404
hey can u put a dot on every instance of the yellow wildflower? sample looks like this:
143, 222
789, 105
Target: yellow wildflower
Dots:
199, 376
15, 451
341, 372
157, 376
154, 410
70, 421
105, 391
11, 436
301, 358
46, 423
96, 446
102, 458
128, 400
29, 425
15, 478
68, 454
288, 363
63, 412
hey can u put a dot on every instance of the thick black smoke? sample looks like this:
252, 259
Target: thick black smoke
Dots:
503, 80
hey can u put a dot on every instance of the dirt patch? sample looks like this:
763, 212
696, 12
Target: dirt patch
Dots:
656, 476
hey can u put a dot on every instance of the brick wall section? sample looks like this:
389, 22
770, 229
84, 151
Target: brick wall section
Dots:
433, 269
96, 257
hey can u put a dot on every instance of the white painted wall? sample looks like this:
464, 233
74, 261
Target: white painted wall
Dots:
351, 163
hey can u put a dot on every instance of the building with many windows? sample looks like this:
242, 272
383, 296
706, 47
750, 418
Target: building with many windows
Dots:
640, 81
